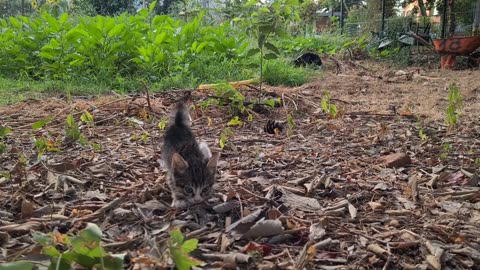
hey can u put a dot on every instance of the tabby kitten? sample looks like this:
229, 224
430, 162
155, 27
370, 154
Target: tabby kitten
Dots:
191, 166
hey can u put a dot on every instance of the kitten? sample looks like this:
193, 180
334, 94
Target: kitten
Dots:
191, 166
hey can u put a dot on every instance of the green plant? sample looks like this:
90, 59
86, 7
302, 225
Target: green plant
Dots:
72, 131
227, 93
290, 123
327, 106
424, 137
280, 72
227, 132
67, 251
41, 123
235, 122
87, 118
455, 103
3, 132
269, 20
163, 122
180, 248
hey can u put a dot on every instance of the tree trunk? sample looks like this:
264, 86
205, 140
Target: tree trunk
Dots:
452, 21
23, 7
423, 9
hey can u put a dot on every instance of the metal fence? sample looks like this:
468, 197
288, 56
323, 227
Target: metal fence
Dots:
396, 24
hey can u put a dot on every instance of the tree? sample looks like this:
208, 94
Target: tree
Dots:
116, 7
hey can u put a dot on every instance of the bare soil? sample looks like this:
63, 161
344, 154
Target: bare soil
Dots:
323, 194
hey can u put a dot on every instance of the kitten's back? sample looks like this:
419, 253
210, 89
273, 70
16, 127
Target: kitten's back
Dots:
179, 137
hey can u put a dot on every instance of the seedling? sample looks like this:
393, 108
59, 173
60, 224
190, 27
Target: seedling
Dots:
291, 124
3, 133
235, 98
227, 132
455, 103
235, 122
424, 137
70, 251
41, 123
163, 122
180, 248
328, 107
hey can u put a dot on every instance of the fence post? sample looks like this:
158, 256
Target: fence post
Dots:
341, 17
444, 18
476, 20
383, 19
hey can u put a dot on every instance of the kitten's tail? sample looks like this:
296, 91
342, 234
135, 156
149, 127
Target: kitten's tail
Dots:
182, 115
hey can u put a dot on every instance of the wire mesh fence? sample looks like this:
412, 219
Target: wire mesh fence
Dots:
431, 25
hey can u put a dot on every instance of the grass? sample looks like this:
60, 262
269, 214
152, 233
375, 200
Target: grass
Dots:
276, 72
281, 72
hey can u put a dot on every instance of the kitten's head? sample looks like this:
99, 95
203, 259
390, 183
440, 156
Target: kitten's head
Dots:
194, 182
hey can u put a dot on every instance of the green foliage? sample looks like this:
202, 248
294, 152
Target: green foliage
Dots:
227, 93
105, 50
329, 43
179, 250
328, 107
267, 21
72, 131
226, 133
424, 137
41, 123
4, 131
290, 124
19, 265
84, 250
278, 72
455, 103
163, 122
235, 122
87, 118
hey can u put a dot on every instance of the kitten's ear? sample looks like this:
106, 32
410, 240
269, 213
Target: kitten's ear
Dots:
212, 163
179, 164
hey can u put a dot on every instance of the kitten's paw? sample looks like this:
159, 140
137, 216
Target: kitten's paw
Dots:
180, 204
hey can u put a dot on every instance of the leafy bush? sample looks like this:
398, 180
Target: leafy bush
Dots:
280, 72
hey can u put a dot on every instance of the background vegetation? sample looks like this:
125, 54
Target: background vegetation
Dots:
96, 46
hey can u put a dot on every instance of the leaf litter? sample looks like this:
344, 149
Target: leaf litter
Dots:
363, 191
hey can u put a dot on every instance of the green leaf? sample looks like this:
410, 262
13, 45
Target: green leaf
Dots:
272, 48
87, 118
270, 56
51, 251
261, 40
114, 261
15, 23
41, 123
4, 131
271, 102
189, 245
177, 236
92, 233
152, 6
116, 30
70, 121
16, 266
64, 18
235, 122
253, 52
183, 261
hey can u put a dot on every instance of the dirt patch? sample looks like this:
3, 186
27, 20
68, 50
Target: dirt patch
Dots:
321, 197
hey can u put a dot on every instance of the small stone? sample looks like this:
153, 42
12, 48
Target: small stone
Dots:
396, 160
